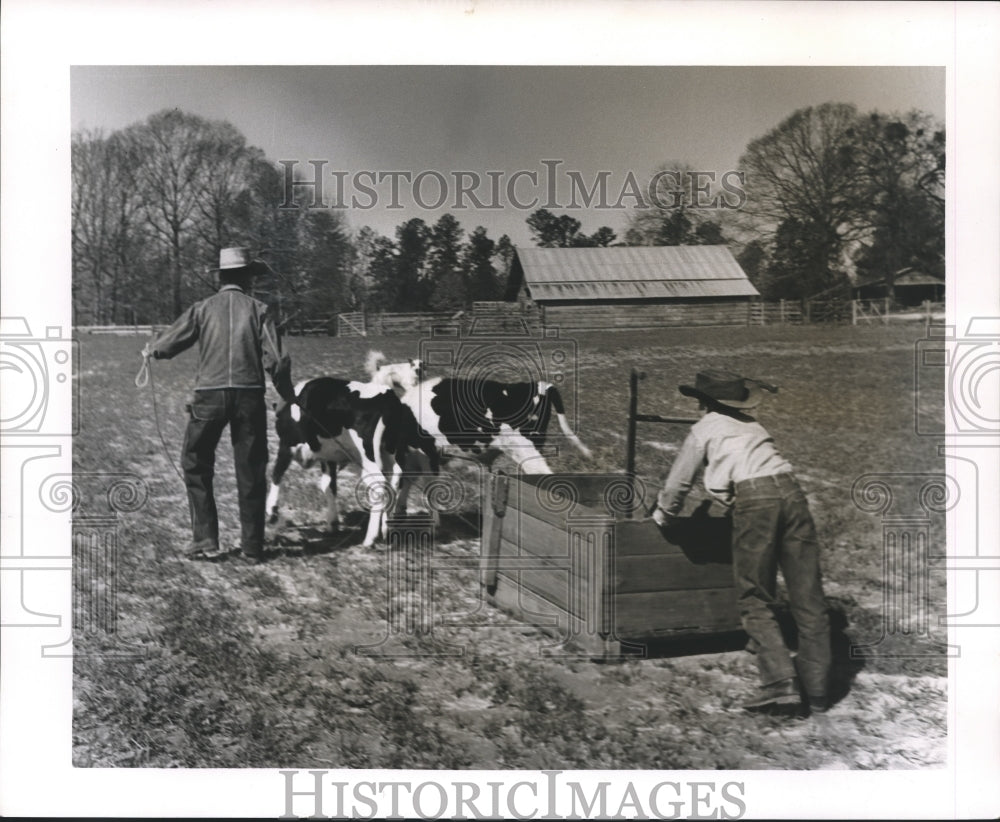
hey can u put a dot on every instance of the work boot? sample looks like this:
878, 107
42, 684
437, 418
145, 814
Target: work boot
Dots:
205, 551
819, 704
778, 697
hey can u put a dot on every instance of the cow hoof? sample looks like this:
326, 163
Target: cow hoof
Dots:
272, 518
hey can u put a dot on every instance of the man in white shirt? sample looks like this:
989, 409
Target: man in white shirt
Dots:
772, 528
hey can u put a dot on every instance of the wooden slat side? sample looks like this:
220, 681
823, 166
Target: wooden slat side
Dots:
545, 496
581, 587
700, 539
556, 497
662, 612
541, 538
555, 621
639, 574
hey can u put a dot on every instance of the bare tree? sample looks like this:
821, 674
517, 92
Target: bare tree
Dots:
106, 228
803, 189
174, 151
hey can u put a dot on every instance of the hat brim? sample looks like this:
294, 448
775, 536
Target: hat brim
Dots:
754, 396
253, 267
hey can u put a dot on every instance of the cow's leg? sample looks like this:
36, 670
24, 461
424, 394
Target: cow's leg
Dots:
376, 488
416, 463
402, 482
328, 485
520, 449
281, 463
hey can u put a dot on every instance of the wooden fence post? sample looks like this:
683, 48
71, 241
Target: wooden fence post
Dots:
885, 316
781, 310
854, 312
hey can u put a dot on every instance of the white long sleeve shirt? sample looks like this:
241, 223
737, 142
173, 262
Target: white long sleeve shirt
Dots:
730, 450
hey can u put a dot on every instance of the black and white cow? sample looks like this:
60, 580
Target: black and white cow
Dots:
338, 422
486, 418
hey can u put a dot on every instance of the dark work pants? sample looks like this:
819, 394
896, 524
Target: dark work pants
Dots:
244, 412
772, 528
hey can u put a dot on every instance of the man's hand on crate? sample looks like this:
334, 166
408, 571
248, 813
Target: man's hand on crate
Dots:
664, 521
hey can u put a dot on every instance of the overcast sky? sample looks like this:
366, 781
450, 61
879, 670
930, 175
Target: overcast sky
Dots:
501, 119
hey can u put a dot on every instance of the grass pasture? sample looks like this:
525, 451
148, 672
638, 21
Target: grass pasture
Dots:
256, 666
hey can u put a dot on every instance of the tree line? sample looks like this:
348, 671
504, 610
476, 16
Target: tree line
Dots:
830, 193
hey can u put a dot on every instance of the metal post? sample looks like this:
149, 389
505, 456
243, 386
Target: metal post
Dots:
633, 405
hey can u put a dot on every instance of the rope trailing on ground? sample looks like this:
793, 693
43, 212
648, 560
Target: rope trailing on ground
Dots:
142, 379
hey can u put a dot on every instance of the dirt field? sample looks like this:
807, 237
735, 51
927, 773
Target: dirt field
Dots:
257, 666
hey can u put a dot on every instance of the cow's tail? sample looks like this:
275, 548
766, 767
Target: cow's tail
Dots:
373, 362
557, 405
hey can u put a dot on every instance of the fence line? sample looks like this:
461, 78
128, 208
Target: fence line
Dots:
775, 313
352, 325
120, 330
508, 319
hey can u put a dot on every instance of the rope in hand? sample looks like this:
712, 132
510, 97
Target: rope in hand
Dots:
142, 379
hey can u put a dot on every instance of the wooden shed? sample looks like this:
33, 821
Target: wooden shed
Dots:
632, 286
910, 286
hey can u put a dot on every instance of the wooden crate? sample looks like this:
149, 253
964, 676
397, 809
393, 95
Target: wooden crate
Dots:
562, 552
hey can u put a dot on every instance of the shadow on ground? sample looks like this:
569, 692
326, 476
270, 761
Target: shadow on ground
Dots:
844, 669
312, 539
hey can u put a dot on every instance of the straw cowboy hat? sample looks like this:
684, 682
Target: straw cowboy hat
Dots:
727, 389
233, 259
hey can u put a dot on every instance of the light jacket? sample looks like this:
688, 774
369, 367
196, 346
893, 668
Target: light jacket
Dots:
237, 343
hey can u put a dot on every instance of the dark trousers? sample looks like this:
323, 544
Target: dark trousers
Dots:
244, 412
772, 528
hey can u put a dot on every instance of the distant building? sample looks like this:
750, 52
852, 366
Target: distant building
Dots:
909, 287
632, 286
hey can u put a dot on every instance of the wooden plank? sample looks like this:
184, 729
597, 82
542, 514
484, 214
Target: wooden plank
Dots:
534, 535
663, 612
511, 556
554, 587
638, 574
563, 626
554, 497
700, 539
494, 513
568, 576
552, 619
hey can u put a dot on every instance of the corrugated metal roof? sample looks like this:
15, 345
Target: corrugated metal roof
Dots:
917, 278
905, 276
633, 272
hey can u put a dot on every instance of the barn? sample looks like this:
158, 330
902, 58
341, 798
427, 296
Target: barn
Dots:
632, 286
909, 286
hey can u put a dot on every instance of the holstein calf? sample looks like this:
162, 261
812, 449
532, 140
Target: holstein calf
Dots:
484, 419
337, 423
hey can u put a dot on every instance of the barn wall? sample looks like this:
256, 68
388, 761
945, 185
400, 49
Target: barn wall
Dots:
583, 316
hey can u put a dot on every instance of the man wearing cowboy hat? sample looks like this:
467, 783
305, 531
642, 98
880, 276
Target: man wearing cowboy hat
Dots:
772, 528
237, 343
